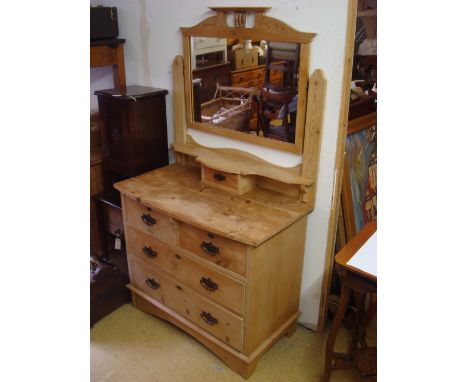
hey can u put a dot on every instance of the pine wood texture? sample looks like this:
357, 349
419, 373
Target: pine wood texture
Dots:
184, 301
231, 254
163, 228
265, 28
274, 283
228, 291
241, 162
178, 97
339, 162
225, 268
175, 190
313, 136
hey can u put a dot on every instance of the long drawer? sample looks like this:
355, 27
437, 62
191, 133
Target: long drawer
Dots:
219, 250
208, 315
203, 279
151, 222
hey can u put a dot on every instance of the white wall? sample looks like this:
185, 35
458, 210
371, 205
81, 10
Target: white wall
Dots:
151, 28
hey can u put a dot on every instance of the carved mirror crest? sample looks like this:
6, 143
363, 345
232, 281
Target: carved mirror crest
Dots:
247, 83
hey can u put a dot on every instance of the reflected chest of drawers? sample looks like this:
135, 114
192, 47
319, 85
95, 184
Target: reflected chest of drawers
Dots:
224, 267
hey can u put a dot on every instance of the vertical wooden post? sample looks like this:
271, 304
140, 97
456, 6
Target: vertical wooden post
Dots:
178, 98
119, 68
302, 93
339, 162
313, 135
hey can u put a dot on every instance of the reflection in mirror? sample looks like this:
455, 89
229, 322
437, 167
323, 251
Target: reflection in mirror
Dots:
247, 86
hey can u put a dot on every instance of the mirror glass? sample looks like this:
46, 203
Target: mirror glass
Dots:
249, 86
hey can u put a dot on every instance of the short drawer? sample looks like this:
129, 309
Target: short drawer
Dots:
221, 178
203, 279
219, 250
241, 77
150, 221
227, 181
206, 314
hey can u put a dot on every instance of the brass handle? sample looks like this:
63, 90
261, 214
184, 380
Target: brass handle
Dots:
148, 219
152, 283
207, 283
209, 248
148, 251
208, 318
219, 176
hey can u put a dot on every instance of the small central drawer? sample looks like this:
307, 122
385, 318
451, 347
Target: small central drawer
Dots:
203, 279
152, 222
206, 314
228, 181
219, 250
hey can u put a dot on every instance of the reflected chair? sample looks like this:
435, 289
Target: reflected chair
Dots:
279, 101
276, 105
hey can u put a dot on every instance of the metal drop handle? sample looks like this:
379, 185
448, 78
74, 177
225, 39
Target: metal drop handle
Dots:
209, 248
207, 283
148, 251
148, 219
208, 318
152, 283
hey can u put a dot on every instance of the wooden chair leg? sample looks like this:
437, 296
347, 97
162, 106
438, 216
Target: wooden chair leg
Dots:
344, 299
357, 330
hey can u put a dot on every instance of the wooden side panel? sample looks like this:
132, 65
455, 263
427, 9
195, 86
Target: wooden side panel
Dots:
218, 321
273, 284
312, 137
203, 279
164, 228
178, 97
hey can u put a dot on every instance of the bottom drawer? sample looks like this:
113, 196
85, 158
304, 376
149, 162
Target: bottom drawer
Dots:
211, 317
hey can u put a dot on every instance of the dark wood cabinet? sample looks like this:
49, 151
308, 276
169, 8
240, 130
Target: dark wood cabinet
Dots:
134, 134
134, 141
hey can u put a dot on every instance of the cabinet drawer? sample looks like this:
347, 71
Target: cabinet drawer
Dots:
150, 221
224, 179
203, 279
258, 75
240, 184
219, 250
206, 314
241, 77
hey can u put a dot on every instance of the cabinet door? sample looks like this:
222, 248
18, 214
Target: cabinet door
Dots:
149, 131
116, 134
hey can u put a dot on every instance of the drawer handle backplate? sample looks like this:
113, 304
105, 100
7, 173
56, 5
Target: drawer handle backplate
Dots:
219, 176
209, 248
152, 283
209, 284
150, 252
208, 318
148, 219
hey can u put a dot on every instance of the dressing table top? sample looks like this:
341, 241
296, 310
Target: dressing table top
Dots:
251, 218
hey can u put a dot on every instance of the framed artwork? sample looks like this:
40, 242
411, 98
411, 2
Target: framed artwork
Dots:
359, 192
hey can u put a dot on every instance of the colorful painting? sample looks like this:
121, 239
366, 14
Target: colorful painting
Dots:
361, 148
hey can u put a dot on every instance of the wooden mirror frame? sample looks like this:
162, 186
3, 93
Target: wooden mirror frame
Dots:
265, 28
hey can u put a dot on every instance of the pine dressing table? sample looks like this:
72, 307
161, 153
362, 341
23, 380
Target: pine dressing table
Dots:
215, 242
